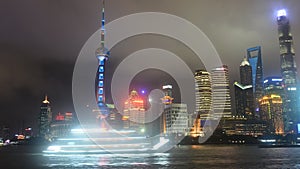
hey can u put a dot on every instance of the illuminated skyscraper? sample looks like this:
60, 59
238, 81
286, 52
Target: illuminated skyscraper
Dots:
221, 92
134, 112
203, 93
246, 73
271, 112
288, 71
45, 119
254, 58
102, 55
244, 92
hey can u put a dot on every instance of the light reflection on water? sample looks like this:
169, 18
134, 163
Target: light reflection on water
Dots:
106, 160
185, 157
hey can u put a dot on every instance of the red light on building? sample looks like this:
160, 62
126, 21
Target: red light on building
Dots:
60, 117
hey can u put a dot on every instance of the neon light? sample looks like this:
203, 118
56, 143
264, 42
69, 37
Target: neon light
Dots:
101, 68
167, 87
266, 81
276, 80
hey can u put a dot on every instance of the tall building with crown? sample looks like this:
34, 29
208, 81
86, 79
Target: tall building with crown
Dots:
134, 112
288, 72
244, 92
45, 119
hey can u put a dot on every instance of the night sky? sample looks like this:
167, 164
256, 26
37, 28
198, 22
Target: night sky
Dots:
40, 41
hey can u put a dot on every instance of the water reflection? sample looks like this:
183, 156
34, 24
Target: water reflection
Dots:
106, 160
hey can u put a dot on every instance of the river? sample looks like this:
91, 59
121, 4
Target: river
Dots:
185, 157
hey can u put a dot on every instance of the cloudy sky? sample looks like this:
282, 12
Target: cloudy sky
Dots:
40, 41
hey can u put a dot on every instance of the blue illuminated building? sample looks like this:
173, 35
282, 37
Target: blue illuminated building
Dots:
288, 72
102, 55
254, 58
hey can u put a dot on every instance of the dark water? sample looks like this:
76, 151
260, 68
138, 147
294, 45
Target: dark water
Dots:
186, 157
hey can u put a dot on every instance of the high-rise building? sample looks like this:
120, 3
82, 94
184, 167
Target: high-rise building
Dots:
271, 112
244, 92
273, 85
246, 73
45, 119
203, 92
244, 101
221, 92
134, 112
254, 58
288, 72
102, 55
176, 119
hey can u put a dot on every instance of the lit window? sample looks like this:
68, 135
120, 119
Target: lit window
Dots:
100, 91
100, 98
100, 83
101, 76
101, 68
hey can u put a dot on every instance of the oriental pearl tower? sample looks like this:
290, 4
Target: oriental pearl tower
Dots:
102, 55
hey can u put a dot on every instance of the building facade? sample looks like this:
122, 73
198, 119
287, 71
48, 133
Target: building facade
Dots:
273, 85
221, 93
203, 92
176, 119
244, 101
271, 112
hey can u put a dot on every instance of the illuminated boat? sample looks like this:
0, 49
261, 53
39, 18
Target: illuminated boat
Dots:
111, 141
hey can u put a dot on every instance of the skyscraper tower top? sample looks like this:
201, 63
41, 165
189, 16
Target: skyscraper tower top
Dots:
245, 62
46, 100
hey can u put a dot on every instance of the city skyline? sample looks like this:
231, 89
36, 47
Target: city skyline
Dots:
46, 54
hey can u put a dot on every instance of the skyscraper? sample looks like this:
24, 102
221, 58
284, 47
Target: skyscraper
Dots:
102, 55
246, 73
203, 93
45, 119
254, 58
288, 71
221, 92
244, 92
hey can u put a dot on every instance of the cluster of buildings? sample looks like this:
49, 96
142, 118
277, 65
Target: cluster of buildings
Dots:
50, 126
264, 105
